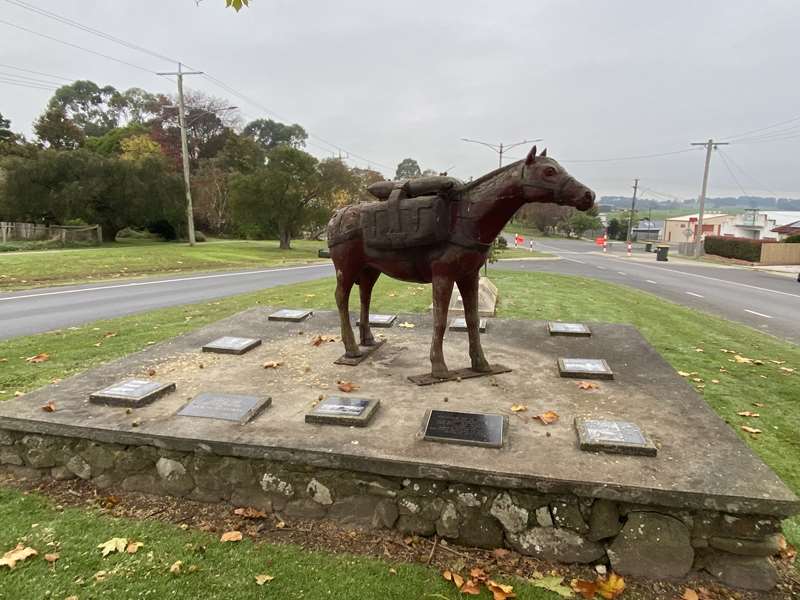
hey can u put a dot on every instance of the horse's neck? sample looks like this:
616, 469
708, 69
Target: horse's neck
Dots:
493, 200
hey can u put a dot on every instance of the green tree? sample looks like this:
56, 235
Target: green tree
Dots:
95, 110
56, 131
292, 193
6, 135
613, 228
270, 134
581, 222
110, 143
408, 168
57, 186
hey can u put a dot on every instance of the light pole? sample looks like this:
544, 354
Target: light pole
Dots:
500, 148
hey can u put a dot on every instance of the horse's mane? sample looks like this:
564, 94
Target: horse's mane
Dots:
490, 175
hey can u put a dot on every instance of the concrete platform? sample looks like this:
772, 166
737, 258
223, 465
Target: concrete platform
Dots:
701, 462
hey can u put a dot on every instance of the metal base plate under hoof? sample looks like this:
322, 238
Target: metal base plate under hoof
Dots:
366, 352
428, 379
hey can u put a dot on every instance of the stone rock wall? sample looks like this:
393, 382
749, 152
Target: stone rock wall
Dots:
634, 539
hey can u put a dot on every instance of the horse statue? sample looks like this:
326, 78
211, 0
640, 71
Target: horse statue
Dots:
437, 230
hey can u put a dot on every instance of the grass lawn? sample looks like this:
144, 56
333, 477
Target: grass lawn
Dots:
676, 332
138, 258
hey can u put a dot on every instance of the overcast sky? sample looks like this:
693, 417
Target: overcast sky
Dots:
596, 79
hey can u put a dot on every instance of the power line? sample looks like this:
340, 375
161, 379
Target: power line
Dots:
87, 29
36, 72
49, 37
133, 46
746, 174
621, 158
746, 133
34, 86
731, 173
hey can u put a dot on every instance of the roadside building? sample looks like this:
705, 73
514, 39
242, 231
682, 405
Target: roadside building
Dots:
787, 230
682, 229
647, 231
756, 224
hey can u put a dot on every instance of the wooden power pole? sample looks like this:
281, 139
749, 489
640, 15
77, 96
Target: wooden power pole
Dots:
701, 200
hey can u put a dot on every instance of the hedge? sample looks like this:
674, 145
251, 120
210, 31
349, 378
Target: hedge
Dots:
793, 239
731, 247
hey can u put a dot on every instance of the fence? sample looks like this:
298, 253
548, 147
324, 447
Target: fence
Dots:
780, 254
38, 232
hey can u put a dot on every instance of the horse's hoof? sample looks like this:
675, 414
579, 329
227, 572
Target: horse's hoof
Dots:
355, 354
368, 342
438, 374
482, 367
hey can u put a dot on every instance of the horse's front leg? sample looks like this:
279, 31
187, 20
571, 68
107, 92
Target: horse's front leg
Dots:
344, 283
365, 284
468, 286
442, 289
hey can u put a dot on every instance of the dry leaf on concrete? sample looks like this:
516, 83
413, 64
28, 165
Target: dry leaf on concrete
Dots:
519, 408
548, 417
49, 407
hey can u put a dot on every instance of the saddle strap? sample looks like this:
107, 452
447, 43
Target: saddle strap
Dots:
393, 207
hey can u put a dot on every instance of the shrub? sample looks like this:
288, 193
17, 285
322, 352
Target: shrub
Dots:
730, 247
163, 229
501, 242
135, 234
792, 239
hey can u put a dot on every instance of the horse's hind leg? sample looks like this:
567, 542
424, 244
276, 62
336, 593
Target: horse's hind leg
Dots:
442, 290
468, 286
344, 283
366, 282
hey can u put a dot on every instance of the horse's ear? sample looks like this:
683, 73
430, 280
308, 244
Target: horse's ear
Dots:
531, 158
544, 152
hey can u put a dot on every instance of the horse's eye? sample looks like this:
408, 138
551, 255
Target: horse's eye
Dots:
549, 172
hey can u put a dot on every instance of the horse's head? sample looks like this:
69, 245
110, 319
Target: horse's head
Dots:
544, 180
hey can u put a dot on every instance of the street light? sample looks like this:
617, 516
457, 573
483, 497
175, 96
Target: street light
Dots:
500, 148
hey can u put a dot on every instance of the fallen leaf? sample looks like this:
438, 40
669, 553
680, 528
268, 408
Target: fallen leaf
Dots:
392, 571
501, 552
457, 579
748, 413
113, 545
133, 547
231, 536
280, 525
611, 587
478, 574
49, 407
262, 579
407, 325
690, 594
346, 386
500, 591
250, 513
51, 558
175, 569
683, 373
787, 369
587, 589
100, 576
548, 417
15, 555
553, 583
715, 381
697, 379
699, 350
747, 429
742, 359
109, 334
39, 358
471, 588
518, 408
272, 364
152, 372
318, 340
777, 362
588, 385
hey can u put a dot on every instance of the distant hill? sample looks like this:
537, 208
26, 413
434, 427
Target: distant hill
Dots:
712, 203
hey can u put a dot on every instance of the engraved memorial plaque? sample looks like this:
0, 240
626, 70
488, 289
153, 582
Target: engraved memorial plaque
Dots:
585, 368
131, 393
376, 320
571, 329
619, 437
231, 345
225, 407
460, 324
472, 429
338, 410
291, 315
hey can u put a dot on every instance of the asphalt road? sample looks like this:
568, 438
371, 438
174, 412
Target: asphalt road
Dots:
770, 303
37, 310
767, 302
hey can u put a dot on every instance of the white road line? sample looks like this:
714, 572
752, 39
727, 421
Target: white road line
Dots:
651, 281
621, 272
747, 285
693, 294
752, 312
573, 260
159, 282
